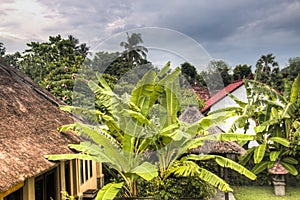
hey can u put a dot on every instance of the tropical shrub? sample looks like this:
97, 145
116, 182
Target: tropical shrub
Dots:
277, 120
140, 135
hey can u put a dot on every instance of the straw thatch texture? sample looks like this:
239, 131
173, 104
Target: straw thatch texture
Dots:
29, 118
191, 115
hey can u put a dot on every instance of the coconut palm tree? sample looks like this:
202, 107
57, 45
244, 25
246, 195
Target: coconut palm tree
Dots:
134, 52
267, 71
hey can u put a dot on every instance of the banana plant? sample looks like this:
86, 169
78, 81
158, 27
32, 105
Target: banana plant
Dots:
146, 121
276, 119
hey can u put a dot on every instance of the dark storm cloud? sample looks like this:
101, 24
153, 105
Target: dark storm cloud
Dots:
237, 31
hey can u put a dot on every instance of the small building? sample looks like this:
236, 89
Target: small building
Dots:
222, 100
191, 115
29, 118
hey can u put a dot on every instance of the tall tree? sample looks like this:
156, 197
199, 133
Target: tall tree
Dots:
189, 72
291, 71
242, 71
217, 76
53, 64
134, 52
267, 71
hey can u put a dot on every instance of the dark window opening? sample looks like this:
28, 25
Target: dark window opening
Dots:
81, 172
17, 195
86, 171
45, 186
68, 177
91, 168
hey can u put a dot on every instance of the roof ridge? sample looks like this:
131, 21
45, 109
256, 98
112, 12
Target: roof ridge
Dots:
221, 94
23, 78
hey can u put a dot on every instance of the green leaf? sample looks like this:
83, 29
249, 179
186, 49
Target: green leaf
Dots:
289, 110
225, 162
259, 129
290, 168
259, 153
146, 170
274, 155
229, 137
144, 87
144, 105
66, 127
260, 167
141, 118
214, 180
241, 103
280, 140
170, 101
226, 109
169, 128
164, 70
109, 191
245, 158
290, 160
295, 90
103, 83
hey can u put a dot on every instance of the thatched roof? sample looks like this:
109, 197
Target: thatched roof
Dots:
29, 119
191, 115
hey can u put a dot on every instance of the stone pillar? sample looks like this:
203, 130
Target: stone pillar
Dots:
279, 187
279, 184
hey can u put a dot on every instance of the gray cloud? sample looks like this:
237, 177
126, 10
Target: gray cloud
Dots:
234, 30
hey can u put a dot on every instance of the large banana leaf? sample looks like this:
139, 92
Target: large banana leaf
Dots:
225, 162
170, 101
109, 147
144, 88
146, 170
109, 191
214, 180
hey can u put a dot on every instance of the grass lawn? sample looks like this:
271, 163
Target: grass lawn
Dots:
264, 193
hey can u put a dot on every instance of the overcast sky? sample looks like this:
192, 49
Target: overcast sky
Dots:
235, 31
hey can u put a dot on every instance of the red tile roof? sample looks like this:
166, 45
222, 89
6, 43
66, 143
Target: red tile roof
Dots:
221, 94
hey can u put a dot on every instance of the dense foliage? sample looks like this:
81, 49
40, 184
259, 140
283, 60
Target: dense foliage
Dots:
277, 125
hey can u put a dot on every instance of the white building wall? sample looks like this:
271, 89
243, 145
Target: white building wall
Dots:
240, 93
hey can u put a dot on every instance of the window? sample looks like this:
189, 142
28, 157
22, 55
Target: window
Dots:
81, 172
68, 177
45, 186
91, 168
85, 170
17, 195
